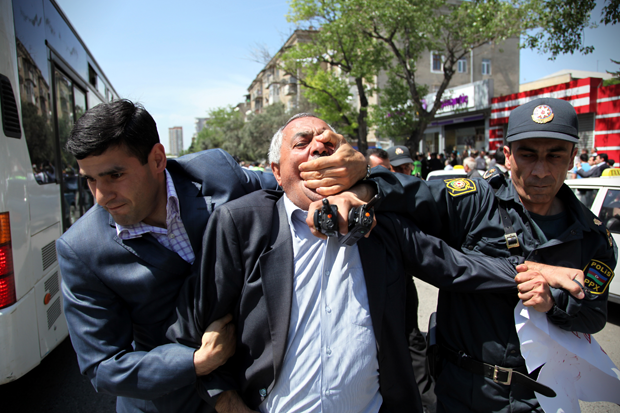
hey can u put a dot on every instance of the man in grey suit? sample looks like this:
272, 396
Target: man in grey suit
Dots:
124, 261
321, 326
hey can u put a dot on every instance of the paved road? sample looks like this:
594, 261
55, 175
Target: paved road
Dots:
56, 386
608, 338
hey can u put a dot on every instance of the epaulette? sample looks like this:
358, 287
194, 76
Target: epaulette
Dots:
460, 186
495, 177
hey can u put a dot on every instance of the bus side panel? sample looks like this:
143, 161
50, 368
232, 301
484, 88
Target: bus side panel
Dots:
33, 252
19, 339
50, 314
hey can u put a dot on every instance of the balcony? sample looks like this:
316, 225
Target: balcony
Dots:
290, 89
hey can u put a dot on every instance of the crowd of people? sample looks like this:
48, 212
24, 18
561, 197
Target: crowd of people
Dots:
474, 163
196, 285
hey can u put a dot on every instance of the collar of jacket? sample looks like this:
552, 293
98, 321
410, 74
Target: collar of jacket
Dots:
508, 193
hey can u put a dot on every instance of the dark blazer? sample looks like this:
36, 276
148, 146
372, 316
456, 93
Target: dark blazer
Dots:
118, 294
247, 270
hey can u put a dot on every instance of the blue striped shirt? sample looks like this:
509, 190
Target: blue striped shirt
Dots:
330, 364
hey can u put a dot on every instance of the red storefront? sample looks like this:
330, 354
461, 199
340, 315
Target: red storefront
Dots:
597, 107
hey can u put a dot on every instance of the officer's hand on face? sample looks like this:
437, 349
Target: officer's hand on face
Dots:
330, 175
534, 291
355, 197
559, 277
230, 402
218, 344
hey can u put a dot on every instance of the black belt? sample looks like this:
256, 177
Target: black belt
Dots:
500, 375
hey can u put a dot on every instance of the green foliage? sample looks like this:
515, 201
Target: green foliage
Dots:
396, 116
615, 80
561, 23
249, 140
331, 94
351, 59
408, 29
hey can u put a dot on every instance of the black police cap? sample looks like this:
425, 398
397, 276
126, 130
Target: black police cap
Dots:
399, 155
543, 118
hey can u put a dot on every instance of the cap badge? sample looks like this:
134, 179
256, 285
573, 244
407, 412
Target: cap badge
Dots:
399, 151
542, 114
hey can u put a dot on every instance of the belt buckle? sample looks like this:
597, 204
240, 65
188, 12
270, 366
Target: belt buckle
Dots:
498, 369
511, 240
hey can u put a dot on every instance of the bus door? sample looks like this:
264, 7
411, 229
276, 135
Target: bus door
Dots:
70, 105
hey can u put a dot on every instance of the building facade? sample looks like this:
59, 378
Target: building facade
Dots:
492, 67
597, 107
272, 85
176, 140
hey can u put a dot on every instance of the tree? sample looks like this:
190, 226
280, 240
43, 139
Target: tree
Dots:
226, 129
615, 79
409, 28
222, 130
561, 23
338, 60
395, 116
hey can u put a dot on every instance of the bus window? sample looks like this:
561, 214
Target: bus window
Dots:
70, 105
84, 197
35, 97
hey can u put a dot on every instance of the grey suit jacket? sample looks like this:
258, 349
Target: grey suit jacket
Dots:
118, 294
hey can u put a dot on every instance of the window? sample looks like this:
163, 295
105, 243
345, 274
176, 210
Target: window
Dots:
436, 62
610, 211
462, 66
486, 67
585, 195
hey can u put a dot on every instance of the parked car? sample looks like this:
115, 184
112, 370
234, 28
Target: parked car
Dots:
443, 174
602, 196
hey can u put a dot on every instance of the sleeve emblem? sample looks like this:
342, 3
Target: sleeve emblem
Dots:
597, 277
460, 186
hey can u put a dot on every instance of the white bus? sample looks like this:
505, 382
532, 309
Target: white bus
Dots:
48, 78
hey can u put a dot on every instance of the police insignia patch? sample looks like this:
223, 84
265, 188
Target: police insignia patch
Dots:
542, 114
460, 186
598, 276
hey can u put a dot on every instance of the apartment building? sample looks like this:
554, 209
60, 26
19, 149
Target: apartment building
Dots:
175, 135
271, 85
489, 71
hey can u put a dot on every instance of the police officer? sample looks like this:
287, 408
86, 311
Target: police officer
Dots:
533, 217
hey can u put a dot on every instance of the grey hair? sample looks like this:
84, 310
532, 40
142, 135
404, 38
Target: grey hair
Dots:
276, 141
470, 162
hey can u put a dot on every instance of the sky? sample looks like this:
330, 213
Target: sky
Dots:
180, 59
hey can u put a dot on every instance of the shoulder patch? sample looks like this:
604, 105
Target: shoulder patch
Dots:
460, 186
598, 276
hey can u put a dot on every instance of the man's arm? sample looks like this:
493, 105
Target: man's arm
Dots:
211, 293
588, 315
593, 172
230, 402
435, 262
102, 335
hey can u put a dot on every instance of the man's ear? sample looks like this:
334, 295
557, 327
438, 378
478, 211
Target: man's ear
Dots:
275, 168
158, 158
507, 156
571, 161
